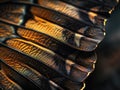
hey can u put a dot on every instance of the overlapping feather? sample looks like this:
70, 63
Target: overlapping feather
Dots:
48, 44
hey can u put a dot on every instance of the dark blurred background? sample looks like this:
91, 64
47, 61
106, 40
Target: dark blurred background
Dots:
107, 73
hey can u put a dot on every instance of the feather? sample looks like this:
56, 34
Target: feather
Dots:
49, 44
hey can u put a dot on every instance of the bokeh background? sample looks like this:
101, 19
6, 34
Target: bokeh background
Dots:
107, 73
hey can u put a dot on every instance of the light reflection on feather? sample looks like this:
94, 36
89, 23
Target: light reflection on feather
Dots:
49, 42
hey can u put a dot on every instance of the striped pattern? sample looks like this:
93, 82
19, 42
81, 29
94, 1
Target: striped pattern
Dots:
49, 44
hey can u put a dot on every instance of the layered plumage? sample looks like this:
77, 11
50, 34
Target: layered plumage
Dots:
49, 44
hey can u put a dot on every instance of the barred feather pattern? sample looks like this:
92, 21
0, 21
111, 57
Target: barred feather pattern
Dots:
49, 44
